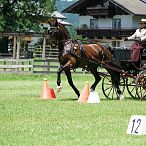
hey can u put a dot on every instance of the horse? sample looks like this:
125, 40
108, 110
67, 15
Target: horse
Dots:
72, 54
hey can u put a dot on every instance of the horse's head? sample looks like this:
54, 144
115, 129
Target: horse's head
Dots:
58, 33
54, 37
53, 22
54, 32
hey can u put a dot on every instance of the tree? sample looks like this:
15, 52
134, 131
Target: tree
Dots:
23, 14
73, 34
20, 15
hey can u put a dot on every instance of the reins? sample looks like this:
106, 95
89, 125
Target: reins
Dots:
102, 63
105, 65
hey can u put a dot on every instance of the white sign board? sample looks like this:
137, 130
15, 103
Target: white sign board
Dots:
137, 125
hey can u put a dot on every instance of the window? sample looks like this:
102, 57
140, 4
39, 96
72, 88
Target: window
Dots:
94, 23
116, 23
116, 44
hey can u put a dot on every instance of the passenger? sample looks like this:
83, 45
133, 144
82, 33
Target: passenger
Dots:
140, 41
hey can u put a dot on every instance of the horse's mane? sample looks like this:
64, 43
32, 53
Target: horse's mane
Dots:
53, 22
64, 31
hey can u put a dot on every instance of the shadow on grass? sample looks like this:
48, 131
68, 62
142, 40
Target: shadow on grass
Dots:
104, 99
69, 99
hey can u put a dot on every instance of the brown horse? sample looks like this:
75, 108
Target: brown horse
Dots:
73, 54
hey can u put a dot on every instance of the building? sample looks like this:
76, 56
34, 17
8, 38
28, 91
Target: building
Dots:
61, 19
108, 19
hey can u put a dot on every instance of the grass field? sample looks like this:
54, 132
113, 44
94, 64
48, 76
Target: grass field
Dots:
25, 120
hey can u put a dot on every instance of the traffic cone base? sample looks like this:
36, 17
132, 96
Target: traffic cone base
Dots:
47, 92
93, 97
52, 93
85, 94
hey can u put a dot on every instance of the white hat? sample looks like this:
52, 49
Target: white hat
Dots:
143, 20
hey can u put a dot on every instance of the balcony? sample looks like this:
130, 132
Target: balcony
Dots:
105, 32
97, 11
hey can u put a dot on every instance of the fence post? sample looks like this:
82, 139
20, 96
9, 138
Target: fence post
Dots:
44, 48
32, 65
22, 68
18, 48
48, 67
18, 52
14, 48
4, 64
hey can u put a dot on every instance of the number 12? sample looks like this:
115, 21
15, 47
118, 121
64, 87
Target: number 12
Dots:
135, 126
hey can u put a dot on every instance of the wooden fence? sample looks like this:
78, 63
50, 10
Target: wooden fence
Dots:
31, 66
17, 66
45, 66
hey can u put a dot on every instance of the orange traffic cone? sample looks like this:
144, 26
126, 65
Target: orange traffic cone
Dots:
47, 92
52, 93
85, 93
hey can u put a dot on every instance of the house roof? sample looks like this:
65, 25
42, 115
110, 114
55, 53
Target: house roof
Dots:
136, 7
133, 7
64, 22
60, 18
58, 15
79, 6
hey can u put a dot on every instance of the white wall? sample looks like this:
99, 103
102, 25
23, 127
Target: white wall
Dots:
136, 21
105, 23
127, 21
84, 20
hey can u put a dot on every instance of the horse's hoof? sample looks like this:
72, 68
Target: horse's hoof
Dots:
59, 88
78, 96
91, 90
121, 97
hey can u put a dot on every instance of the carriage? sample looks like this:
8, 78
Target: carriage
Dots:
133, 75
121, 71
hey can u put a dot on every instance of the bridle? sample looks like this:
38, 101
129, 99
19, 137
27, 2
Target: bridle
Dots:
55, 31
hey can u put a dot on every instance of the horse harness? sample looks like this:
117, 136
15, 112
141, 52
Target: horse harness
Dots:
83, 51
70, 48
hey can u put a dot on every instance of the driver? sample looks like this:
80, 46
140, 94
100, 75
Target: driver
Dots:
140, 41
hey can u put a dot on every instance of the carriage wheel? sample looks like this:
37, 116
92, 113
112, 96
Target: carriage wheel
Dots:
141, 85
131, 87
109, 90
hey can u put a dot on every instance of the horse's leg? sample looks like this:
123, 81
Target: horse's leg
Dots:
67, 67
59, 79
115, 76
59, 71
69, 78
93, 71
116, 81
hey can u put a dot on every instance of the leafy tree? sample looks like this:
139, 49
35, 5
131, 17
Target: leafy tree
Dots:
20, 15
23, 14
73, 35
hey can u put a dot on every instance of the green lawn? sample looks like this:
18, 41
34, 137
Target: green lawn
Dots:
26, 120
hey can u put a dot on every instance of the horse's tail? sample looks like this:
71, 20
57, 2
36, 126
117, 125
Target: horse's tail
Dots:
112, 53
115, 62
110, 49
